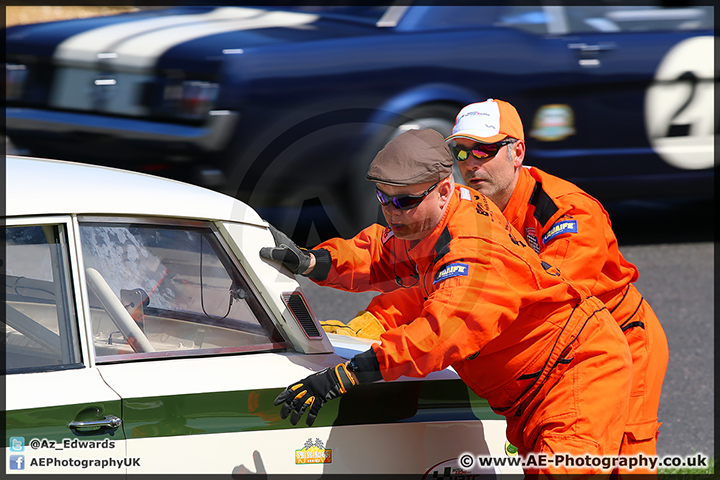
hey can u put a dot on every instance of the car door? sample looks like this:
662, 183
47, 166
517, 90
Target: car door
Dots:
641, 104
180, 333
60, 415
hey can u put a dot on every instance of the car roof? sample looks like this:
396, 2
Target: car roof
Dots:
36, 186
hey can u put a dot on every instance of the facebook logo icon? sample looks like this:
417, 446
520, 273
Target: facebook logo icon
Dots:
17, 462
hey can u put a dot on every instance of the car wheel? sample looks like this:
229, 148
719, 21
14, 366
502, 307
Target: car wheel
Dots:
363, 206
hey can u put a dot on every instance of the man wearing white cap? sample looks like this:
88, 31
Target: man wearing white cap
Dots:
570, 230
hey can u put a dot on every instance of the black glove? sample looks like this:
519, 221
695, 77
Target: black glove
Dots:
313, 392
286, 252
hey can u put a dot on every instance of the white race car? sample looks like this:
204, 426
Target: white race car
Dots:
145, 334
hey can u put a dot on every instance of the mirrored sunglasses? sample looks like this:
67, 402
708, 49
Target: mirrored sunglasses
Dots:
481, 151
402, 202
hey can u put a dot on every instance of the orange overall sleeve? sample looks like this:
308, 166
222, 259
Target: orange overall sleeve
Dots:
570, 230
579, 255
358, 264
590, 255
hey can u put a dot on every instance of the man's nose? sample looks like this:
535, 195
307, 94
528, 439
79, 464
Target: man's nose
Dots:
474, 162
470, 165
392, 210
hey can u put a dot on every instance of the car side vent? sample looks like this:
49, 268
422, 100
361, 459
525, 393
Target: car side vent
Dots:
299, 309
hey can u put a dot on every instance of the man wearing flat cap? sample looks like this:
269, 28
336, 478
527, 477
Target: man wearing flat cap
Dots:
471, 294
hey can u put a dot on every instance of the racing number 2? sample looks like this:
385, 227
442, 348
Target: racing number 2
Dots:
679, 114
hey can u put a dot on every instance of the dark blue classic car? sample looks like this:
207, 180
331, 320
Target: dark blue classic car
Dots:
285, 107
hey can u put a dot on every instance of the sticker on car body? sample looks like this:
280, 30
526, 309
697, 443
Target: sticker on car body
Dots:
313, 452
553, 122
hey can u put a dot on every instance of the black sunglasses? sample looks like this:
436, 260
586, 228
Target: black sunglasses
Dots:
481, 151
402, 202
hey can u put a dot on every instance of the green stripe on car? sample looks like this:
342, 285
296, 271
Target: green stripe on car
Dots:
242, 411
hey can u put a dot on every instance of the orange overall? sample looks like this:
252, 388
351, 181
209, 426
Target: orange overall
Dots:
541, 350
572, 231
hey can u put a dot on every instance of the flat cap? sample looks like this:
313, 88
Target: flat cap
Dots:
413, 157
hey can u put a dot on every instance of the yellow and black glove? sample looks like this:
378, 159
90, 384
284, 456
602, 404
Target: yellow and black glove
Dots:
313, 391
364, 325
336, 326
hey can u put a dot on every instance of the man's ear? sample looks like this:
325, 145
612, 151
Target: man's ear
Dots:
519, 150
445, 189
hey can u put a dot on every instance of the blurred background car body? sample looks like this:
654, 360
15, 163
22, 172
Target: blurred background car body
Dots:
285, 108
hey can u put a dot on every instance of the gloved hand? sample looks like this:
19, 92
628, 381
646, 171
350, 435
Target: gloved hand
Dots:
313, 391
336, 326
364, 325
287, 252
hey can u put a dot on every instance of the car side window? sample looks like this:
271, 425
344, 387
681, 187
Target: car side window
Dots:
444, 16
41, 331
532, 19
168, 290
622, 18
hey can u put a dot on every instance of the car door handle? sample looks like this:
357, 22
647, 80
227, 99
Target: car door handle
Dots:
110, 421
592, 48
